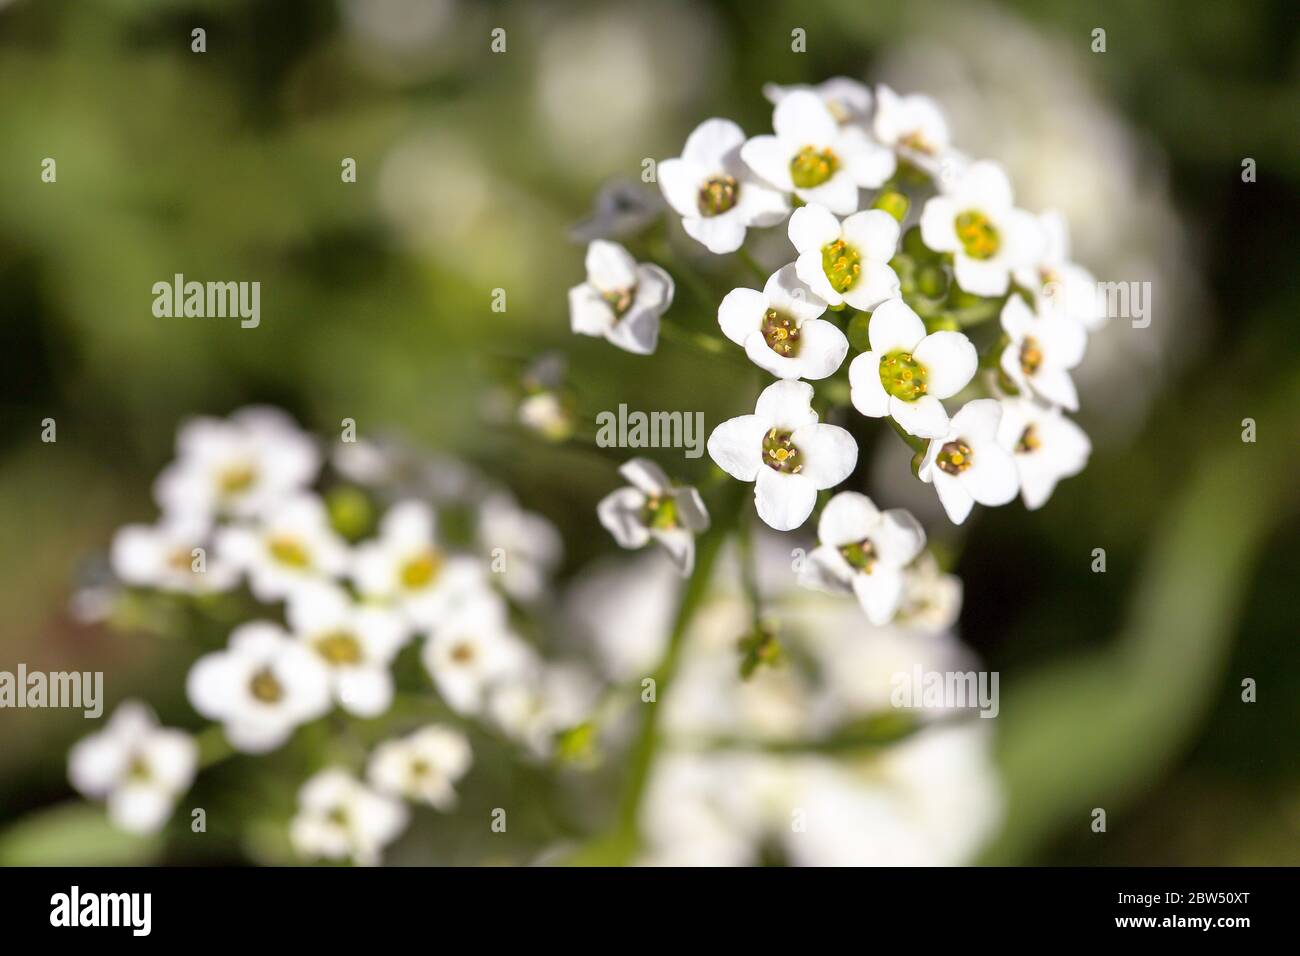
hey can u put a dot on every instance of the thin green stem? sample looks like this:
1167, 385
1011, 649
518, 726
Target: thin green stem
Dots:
752, 264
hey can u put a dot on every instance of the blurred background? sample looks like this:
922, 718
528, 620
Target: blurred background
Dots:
1120, 690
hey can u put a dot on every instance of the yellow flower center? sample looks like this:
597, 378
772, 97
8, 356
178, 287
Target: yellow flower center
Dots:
977, 235
1029, 440
781, 333
266, 687
718, 195
338, 647
1031, 355
289, 551
812, 167
842, 265
236, 478
903, 376
419, 571
780, 453
954, 457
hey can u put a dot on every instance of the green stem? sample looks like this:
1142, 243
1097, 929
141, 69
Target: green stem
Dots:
752, 264
213, 746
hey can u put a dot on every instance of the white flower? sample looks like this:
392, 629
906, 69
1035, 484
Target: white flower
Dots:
863, 551
172, 555
1062, 287
356, 642
846, 262
848, 100
714, 192
291, 546
912, 125
1045, 445
931, 599
907, 372
422, 766
260, 688
621, 299
405, 565
785, 452
138, 766
816, 158
541, 703
654, 509
530, 547
779, 328
1042, 350
977, 222
472, 650
240, 466
967, 464
340, 818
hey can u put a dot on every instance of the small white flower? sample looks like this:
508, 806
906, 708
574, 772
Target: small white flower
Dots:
863, 551
1062, 287
779, 328
260, 688
529, 546
848, 100
405, 565
1045, 445
714, 192
1042, 350
291, 546
472, 650
907, 372
355, 642
172, 555
786, 453
621, 299
423, 766
967, 464
238, 466
654, 509
536, 707
340, 818
846, 262
978, 223
139, 767
931, 599
816, 158
912, 125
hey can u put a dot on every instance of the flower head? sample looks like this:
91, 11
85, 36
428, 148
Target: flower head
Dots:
1042, 350
1060, 286
931, 599
1045, 445
846, 262
913, 126
423, 766
172, 555
470, 651
653, 509
290, 546
621, 299
531, 545
848, 100
967, 464
340, 818
780, 330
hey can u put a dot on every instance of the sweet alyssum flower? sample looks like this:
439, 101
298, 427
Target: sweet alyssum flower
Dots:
528, 546
653, 509
816, 158
1061, 286
780, 330
913, 125
931, 599
139, 767
848, 100
423, 766
906, 372
977, 221
846, 262
863, 551
172, 555
341, 818
261, 687
714, 192
355, 642
621, 299
472, 649
968, 464
541, 703
1042, 350
784, 450
292, 545
1045, 445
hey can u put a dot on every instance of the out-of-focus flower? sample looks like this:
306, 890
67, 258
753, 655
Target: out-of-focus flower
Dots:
1042, 350
260, 688
290, 546
848, 100
1045, 445
653, 508
542, 702
912, 125
622, 609
622, 209
967, 464
779, 328
423, 766
846, 262
472, 649
621, 300
931, 599
172, 555
1060, 286
785, 451
139, 767
340, 818
530, 546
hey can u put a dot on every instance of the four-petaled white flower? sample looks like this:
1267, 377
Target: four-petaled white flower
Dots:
138, 767
291, 546
1045, 445
846, 262
816, 158
621, 299
1042, 350
906, 372
848, 100
786, 453
239, 466
260, 688
528, 546
356, 642
172, 555
471, 650
713, 190
863, 551
654, 509
913, 125
1062, 287
340, 818
423, 766
779, 328
968, 464
977, 221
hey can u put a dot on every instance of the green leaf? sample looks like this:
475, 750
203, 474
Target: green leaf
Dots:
73, 834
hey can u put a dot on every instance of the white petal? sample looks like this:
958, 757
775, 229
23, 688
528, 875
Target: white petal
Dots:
736, 446
769, 158
1055, 385
847, 519
991, 478
1063, 340
365, 691
721, 235
873, 232
741, 312
986, 277
839, 194
900, 538
894, 327
784, 501
985, 186
866, 391
1017, 317
812, 227
867, 163
877, 283
950, 362
825, 570
822, 349
711, 141
139, 808
620, 512
938, 224
803, 119
680, 182
879, 594
589, 314
786, 292
808, 267
786, 405
644, 474
977, 421
680, 545
828, 452
691, 512
956, 500
610, 267
924, 418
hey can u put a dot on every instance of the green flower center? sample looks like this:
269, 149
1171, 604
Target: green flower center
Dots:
288, 550
1031, 355
718, 195
781, 333
138, 770
954, 457
842, 265
917, 142
235, 479
977, 235
780, 453
661, 513
812, 167
861, 556
903, 376
265, 686
339, 647
1029, 441
419, 571
338, 816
